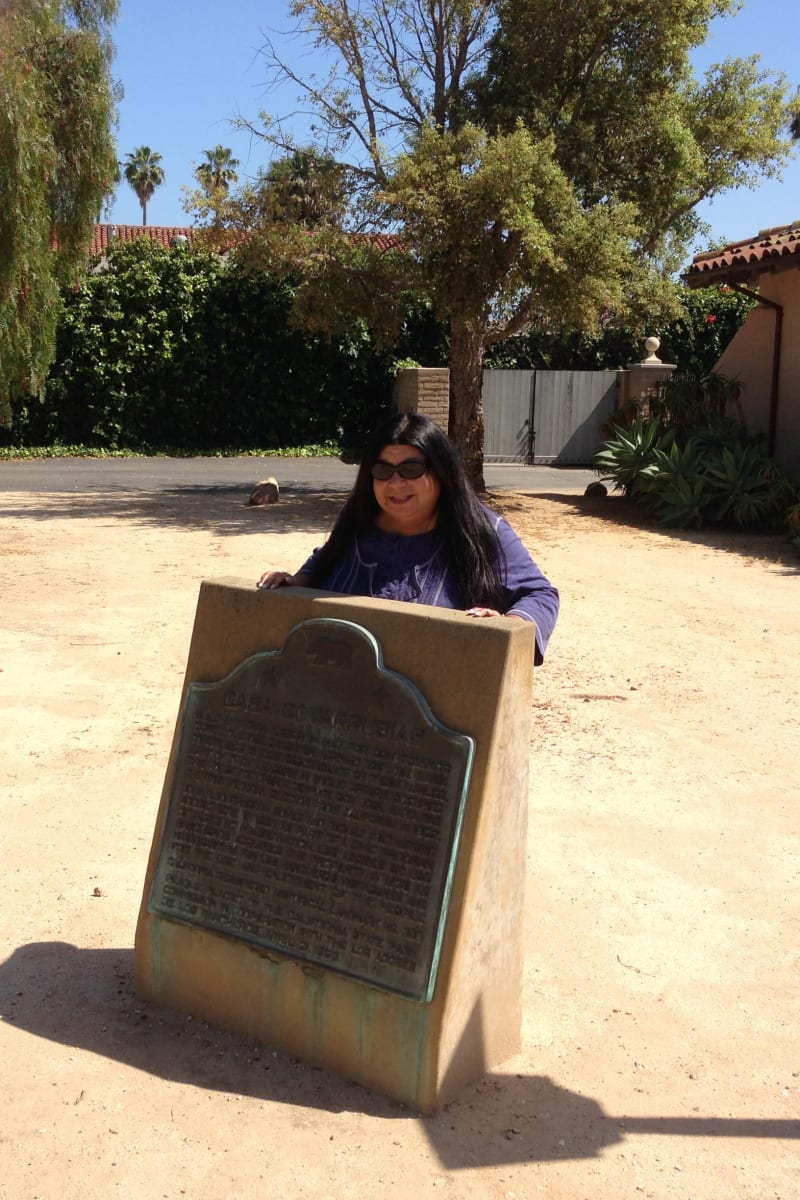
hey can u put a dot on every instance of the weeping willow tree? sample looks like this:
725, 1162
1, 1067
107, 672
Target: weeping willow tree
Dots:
57, 165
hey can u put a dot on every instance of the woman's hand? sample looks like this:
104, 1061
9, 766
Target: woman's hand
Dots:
276, 579
488, 612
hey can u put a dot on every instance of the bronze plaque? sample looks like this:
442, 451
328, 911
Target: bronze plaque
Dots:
315, 809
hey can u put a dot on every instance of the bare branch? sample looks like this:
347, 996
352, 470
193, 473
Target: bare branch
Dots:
519, 320
398, 66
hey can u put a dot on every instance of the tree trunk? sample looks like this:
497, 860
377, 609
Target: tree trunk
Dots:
466, 395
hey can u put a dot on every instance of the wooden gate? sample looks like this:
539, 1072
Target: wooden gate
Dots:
548, 417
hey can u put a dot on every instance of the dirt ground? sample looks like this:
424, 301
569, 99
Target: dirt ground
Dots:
661, 1051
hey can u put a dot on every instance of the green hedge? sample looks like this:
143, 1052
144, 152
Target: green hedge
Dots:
694, 341
170, 348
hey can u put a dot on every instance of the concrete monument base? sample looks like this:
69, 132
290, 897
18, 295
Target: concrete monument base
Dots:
330, 954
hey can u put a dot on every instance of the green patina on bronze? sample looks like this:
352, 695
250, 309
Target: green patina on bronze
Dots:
316, 809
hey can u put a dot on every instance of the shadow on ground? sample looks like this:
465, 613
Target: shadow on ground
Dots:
85, 998
623, 513
224, 511
302, 508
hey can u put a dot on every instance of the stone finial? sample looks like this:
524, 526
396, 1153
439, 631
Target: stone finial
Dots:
651, 347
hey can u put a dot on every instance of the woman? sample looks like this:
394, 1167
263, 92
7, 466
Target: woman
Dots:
412, 529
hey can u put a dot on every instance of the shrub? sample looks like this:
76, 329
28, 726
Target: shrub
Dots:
747, 487
691, 464
630, 452
172, 348
706, 322
688, 403
674, 487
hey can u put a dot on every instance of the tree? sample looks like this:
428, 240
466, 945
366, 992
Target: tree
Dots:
629, 119
302, 190
143, 171
306, 187
216, 176
218, 171
57, 166
794, 117
538, 159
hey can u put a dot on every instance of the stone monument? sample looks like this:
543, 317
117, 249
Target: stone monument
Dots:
338, 862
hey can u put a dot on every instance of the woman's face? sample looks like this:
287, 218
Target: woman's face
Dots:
407, 506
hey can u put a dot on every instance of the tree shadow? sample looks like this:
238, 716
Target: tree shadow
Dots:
223, 511
85, 998
305, 507
622, 513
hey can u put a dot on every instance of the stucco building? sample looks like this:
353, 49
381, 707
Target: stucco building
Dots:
764, 356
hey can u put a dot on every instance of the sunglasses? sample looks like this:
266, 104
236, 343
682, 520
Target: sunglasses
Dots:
412, 468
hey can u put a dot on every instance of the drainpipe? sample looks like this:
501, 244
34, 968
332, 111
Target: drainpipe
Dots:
776, 359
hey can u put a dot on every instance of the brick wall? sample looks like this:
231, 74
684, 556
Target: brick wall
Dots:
424, 390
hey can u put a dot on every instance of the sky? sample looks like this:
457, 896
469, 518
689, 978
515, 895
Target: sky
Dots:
189, 67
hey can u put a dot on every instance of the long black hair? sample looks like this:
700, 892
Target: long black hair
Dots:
470, 543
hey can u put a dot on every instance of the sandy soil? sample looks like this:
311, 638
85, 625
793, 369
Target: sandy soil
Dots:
661, 1053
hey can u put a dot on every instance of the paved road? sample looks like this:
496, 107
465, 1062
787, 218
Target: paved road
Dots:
293, 475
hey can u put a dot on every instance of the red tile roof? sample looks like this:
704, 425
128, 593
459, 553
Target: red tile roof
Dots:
164, 235
104, 235
770, 250
383, 241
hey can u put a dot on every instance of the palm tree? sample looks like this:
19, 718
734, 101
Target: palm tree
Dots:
794, 116
218, 172
307, 187
143, 171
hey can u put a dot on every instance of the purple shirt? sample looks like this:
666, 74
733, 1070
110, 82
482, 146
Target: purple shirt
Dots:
393, 566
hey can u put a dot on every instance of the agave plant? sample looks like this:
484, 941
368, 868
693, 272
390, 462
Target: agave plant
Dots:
675, 486
627, 454
747, 487
683, 502
720, 432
